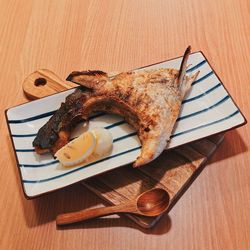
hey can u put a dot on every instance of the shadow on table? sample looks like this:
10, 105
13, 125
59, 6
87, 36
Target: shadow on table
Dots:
163, 226
231, 146
45, 209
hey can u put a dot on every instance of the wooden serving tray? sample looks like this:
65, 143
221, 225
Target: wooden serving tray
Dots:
174, 170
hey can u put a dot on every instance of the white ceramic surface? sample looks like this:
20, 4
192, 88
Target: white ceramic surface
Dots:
208, 109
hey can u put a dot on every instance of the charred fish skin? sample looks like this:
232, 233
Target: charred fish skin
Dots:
149, 100
64, 119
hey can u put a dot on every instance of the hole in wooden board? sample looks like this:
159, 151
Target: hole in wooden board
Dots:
40, 81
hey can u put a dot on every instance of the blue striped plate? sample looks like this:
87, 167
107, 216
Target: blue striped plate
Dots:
208, 109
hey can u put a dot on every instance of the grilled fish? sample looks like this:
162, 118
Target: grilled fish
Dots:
149, 100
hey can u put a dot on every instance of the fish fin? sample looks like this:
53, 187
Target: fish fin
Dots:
90, 79
187, 82
183, 66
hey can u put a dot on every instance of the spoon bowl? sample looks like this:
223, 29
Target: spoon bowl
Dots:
153, 202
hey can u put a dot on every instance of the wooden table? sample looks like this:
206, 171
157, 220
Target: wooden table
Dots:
119, 35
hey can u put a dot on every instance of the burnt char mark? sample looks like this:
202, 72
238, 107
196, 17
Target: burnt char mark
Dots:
86, 73
123, 95
56, 132
48, 134
65, 118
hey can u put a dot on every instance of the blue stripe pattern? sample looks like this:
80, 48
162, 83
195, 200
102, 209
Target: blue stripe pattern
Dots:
101, 114
196, 66
94, 116
33, 118
203, 78
203, 94
128, 151
123, 122
38, 165
115, 124
80, 168
205, 125
25, 150
134, 133
107, 127
25, 135
204, 110
125, 137
56, 161
37, 117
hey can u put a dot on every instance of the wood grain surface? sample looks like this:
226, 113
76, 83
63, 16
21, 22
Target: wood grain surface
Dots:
65, 35
174, 170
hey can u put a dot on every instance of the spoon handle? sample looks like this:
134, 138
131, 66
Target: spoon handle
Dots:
69, 218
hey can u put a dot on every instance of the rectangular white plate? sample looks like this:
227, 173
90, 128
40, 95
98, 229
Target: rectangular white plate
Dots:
208, 109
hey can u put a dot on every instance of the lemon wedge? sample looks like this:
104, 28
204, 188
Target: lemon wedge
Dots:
104, 141
78, 150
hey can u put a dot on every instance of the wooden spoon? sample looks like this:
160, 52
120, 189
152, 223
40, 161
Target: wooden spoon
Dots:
150, 203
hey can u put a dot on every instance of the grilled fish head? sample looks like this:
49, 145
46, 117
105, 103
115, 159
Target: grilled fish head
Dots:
149, 100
